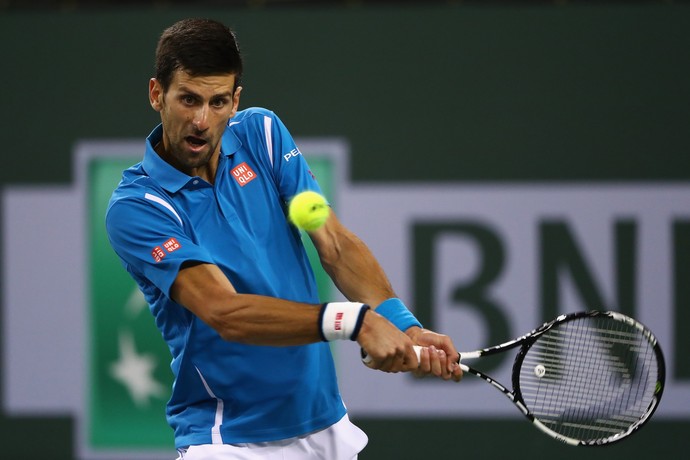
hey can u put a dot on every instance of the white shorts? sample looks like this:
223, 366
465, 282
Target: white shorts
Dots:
340, 441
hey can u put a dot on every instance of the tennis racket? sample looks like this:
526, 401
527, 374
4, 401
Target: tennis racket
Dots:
586, 379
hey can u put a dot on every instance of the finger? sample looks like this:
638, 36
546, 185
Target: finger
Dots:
448, 357
455, 368
445, 366
446, 370
396, 361
435, 361
457, 373
384, 363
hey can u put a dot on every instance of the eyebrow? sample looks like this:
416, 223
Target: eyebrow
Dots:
184, 89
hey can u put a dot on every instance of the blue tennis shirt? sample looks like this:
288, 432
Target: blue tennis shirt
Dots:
158, 218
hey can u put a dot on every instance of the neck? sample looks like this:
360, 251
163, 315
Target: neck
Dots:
206, 170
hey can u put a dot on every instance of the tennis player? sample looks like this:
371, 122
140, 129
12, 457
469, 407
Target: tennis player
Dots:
200, 224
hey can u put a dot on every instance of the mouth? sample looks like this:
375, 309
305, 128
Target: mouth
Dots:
196, 143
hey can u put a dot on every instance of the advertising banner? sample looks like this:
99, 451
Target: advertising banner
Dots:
482, 263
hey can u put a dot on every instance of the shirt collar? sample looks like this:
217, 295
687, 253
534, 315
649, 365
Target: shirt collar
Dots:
170, 178
230, 143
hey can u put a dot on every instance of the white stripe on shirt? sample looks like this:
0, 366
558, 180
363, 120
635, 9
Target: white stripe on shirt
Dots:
268, 122
164, 203
215, 431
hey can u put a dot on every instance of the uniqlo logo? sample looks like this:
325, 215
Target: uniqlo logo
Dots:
171, 245
243, 174
157, 254
338, 321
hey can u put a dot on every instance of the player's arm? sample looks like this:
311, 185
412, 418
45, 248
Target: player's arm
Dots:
359, 276
261, 320
350, 263
189, 277
205, 290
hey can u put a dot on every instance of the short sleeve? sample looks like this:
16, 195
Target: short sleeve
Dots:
149, 236
290, 168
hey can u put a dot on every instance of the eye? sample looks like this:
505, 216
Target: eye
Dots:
188, 99
218, 103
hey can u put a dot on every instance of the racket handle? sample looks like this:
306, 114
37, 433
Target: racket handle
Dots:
418, 351
366, 359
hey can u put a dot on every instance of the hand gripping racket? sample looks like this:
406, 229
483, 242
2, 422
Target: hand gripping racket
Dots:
586, 379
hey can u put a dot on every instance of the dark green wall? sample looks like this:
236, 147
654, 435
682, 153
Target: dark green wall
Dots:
452, 93
480, 93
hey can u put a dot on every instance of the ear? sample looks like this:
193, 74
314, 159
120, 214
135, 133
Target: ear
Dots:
236, 100
155, 95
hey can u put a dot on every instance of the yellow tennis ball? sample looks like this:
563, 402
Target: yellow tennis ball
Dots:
308, 210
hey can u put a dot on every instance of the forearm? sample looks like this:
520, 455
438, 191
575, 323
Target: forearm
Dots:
358, 275
252, 319
260, 320
351, 265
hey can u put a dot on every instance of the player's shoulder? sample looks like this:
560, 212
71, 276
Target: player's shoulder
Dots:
249, 118
135, 185
135, 178
138, 200
251, 113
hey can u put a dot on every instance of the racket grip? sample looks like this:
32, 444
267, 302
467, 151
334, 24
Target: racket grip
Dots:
366, 359
418, 352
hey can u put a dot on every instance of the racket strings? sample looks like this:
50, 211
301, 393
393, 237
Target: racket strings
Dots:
589, 379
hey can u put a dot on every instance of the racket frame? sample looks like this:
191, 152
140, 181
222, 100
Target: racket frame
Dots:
526, 341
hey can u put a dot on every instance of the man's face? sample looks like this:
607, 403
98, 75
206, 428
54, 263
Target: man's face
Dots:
194, 112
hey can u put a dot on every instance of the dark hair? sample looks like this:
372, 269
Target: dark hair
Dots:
200, 47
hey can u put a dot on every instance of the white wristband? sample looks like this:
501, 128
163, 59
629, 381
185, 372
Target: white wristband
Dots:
341, 320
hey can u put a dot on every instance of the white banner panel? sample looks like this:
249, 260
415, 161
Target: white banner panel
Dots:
523, 218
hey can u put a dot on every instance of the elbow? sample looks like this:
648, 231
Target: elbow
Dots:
229, 328
227, 320
234, 335
331, 254
329, 259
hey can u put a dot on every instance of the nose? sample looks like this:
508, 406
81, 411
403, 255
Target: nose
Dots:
200, 120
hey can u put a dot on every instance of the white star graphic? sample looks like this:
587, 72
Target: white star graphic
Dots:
136, 302
135, 372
